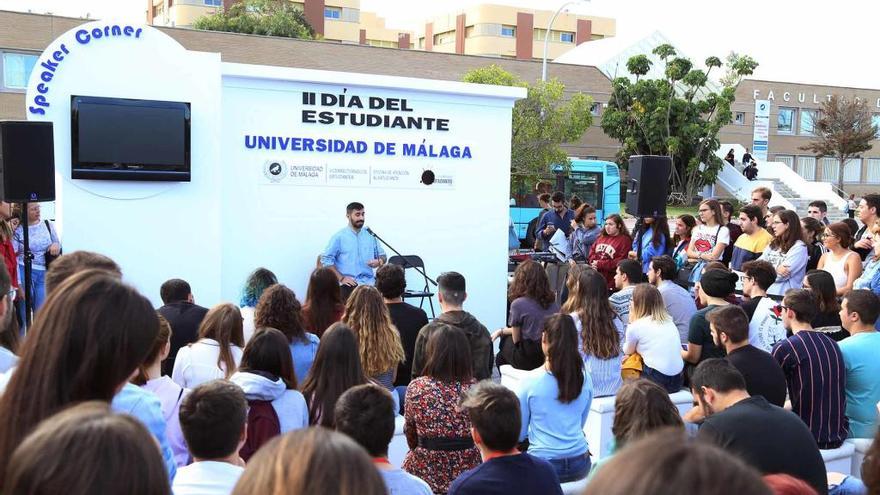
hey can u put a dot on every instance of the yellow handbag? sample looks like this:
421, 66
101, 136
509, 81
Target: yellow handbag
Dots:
631, 369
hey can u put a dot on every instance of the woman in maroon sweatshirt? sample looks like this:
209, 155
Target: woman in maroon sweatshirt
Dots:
610, 248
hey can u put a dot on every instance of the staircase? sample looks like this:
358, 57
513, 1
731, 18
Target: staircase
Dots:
790, 190
835, 213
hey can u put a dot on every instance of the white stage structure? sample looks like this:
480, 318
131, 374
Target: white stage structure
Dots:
277, 153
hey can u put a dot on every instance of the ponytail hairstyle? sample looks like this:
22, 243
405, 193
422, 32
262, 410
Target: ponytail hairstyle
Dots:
566, 363
158, 346
223, 323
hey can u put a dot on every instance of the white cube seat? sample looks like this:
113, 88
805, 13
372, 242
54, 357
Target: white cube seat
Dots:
839, 460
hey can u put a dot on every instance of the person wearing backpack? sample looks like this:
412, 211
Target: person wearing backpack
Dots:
266, 376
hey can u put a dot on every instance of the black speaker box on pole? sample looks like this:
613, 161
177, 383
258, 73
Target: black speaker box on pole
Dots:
27, 162
648, 185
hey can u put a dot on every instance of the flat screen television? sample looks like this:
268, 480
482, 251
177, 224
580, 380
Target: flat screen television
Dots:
125, 139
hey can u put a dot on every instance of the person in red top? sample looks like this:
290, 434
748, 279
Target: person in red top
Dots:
610, 248
6, 243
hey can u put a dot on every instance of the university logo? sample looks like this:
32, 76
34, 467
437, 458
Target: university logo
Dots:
275, 170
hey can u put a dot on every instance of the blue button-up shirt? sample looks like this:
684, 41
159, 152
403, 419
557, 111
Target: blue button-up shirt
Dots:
562, 223
349, 252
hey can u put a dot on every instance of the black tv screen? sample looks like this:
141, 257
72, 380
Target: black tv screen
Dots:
125, 139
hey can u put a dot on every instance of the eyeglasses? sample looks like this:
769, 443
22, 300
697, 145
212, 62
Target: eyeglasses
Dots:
779, 308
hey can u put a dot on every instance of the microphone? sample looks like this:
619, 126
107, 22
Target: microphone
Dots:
370, 231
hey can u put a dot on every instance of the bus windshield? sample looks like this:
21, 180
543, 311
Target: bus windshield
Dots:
585, 185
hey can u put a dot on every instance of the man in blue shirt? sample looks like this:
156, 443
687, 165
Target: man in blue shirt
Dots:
352, 252
495, 425
558, 218
858, 314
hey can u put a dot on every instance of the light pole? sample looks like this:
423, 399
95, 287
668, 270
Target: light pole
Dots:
547, 36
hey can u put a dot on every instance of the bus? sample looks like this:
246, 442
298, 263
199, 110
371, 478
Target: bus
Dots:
596, 182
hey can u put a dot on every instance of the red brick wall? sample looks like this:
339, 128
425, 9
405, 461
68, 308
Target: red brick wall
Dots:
429, 37
459, 34
314, 11
584, 31
403, 40
525, 25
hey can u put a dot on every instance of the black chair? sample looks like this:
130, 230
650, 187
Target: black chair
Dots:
414, 262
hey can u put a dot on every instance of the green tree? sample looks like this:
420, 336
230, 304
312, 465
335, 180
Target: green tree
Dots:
263, 17
843, 130
677, 115
541, 123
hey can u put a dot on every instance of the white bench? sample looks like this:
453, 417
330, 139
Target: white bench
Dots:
861, 446
574, 487
839, 460
398, 448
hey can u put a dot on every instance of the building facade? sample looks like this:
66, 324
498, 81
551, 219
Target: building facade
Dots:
793, 107
500, 30
24, 36
333, 20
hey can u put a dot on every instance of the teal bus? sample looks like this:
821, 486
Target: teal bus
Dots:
596, 182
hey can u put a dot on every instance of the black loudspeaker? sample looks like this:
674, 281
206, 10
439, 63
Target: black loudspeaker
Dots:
27, 162
648, 185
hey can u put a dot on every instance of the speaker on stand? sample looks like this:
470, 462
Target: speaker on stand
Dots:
648, 185
27, 175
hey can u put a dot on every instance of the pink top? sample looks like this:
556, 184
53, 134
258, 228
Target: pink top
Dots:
171, 394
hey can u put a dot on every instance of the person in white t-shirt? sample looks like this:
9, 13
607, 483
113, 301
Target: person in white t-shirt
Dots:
652, 333
709, 239
218, 351
213, 418
366, 414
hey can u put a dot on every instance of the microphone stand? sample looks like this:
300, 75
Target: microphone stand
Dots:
27, 257
405, 261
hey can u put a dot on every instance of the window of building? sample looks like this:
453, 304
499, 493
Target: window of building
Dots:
422, 43
595, 109
785, 120
555, 36
508, 31
597, 37
566, 37
383, 43
875, 119
16, 69
350, 15
443, 38
739, 118
806, 167
788, 160
872, 175
158, 10
852, 171
808, 118
213, 3
332, 13
830, 170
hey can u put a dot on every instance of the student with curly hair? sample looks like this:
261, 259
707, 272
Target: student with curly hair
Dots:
379, 342
279, 308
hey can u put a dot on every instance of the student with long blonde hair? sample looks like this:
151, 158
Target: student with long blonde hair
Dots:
218, 351
653, 335
378, 341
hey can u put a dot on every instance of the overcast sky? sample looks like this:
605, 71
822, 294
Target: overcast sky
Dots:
831, 43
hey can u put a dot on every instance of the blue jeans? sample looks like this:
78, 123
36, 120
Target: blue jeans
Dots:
672, 384
571, 468
37, 292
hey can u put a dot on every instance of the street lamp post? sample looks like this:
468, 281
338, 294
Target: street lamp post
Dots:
547, 36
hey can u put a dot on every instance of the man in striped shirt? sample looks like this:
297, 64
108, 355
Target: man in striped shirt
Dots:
814, 371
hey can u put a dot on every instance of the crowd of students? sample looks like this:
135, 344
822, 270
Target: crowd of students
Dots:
275, 396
